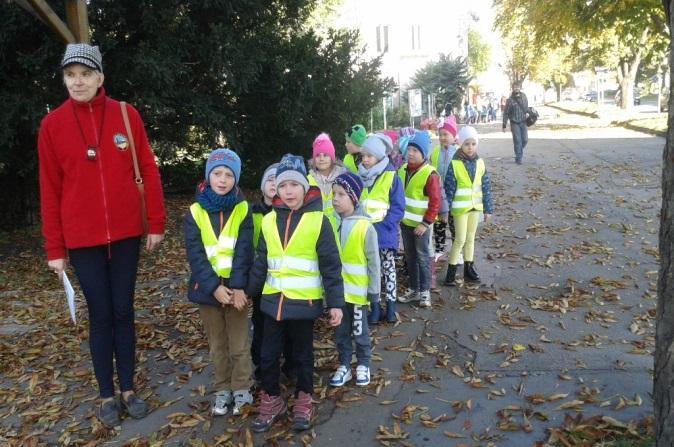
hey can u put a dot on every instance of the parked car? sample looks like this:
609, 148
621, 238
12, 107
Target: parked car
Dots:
590, 96
570, 95
636, 98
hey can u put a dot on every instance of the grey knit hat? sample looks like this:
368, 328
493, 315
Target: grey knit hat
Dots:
85, 54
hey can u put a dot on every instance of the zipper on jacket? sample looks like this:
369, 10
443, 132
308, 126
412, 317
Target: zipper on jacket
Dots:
100, 172
285, 244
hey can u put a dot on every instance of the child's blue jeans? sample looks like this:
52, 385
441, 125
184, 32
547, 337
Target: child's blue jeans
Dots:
416, 254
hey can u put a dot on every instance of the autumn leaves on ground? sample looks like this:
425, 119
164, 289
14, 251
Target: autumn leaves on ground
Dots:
554, 347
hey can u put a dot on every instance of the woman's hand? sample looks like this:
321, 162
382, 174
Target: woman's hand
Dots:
487, 217
153, 241
58, 266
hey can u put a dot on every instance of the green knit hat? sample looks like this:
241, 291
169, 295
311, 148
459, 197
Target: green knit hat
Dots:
356, 134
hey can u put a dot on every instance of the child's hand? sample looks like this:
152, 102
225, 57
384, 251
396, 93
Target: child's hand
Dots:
420, 230
223, 295
444, 218
335, 317
239, 299
487, 217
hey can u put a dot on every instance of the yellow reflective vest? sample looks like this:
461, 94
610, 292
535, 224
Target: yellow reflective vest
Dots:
468, 195
293, 271
220, 250
350, 163
375, 200
327, 200
416, 200
354, 261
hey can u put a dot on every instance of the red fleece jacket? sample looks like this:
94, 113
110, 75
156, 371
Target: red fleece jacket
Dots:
431, 190
85, 202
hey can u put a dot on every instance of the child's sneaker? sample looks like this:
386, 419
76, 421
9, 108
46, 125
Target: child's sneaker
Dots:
271, 409
241, 399
223, 399
408, 296
302, 411
425, 298
341, 376
362, 375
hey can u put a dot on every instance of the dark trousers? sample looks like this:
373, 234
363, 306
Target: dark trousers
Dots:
300, 334
416, 255
107, 275
520, 138
256, 345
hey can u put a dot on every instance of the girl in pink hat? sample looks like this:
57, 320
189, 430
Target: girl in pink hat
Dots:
324, 169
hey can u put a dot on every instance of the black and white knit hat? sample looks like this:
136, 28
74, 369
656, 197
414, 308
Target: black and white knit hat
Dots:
85, 54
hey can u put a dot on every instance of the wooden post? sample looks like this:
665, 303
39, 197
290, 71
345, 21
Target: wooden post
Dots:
44, 11
78, 22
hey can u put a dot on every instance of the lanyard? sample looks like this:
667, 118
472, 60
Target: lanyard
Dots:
92, 151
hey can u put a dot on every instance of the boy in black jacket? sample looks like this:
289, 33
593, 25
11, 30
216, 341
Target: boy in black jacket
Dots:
220, 262
298, 271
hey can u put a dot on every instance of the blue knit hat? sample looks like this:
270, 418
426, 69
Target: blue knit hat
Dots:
224, 157
422, 141
291, 167
352, 184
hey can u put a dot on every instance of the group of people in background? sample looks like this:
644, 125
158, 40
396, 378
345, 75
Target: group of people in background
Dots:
321, 240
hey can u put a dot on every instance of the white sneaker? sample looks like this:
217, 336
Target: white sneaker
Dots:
425, 299
241, 399
460, 261
341, 376
362, 375
223, 399
408, 296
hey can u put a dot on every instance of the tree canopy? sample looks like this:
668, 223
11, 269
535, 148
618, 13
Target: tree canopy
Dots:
245, 73
447, 78
479, 53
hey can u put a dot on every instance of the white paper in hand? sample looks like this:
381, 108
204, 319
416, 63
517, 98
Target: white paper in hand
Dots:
70, 296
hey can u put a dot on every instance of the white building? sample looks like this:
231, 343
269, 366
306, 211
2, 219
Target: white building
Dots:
408, 34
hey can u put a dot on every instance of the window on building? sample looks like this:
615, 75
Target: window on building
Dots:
382, 38
416, 37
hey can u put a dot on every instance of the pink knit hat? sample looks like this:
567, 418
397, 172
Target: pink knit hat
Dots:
323, 145
449, 124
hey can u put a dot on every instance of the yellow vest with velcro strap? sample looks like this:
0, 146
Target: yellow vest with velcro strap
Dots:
327, 200
350, 163
435, 156
293, 271
354, 261
257, 225
220, 250
416, 201
375, 200
468, 195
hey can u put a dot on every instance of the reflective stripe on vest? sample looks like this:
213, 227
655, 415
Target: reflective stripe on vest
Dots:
468, 195
220, 250
257, 224
327, 200
293, 271
354, 263
350, 163
375, 200
416, 200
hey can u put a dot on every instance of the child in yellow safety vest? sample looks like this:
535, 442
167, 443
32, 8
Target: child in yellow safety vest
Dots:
324, 169
359, 252
355, 137
219, 244
421, 183
469, 195
298, 272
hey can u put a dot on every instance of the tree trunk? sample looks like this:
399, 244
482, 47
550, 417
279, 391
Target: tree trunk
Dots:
627, 73
663, 386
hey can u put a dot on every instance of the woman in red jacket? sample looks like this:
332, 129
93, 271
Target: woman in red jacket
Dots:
91, 213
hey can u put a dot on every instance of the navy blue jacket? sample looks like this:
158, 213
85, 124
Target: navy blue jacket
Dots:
387, 229
329, 265
204, 280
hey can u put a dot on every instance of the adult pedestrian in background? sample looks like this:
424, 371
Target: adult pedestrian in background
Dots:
91, 214
516, 111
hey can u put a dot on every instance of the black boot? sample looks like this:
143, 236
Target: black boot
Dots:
469, 273
450, 277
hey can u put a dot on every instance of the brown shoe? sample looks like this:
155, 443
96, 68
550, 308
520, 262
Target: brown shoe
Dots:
271, 409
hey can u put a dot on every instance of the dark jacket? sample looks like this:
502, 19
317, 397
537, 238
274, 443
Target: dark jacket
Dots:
329, 265
387, 229
204, 280
513, 111
471, 165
